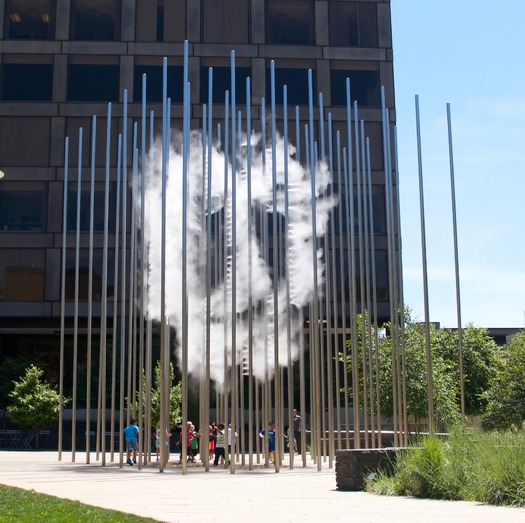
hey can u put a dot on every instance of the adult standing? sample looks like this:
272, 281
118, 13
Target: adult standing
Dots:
297, 429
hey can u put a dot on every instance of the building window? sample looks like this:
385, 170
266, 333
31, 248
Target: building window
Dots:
353, 24
160, 20
92, 83
22, 274
26, 82
85, 202
25, 141
220, 16
83, 275
95, 20
296, 81
154, 83
30, 19
222, 83
22, 208
364, 87
290, 22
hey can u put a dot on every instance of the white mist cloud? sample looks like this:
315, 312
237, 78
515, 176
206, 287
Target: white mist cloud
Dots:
300, 252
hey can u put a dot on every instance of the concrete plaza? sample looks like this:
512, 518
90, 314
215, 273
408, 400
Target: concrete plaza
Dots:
301, 494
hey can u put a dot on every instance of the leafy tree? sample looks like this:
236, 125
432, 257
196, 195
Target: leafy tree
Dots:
175, 397
479, 359
11, 369
34, 404
506, 394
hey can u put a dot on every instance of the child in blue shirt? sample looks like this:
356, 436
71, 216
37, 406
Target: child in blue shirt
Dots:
132, 433
270, 434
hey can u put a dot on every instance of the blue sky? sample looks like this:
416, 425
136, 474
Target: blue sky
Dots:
469, 53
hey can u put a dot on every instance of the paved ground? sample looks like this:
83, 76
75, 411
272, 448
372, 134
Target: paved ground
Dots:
298, 495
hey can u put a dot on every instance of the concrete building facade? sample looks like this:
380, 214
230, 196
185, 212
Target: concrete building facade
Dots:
61, 61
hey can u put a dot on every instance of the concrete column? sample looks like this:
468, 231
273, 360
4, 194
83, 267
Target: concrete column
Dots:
128, 21
62, 20
126, 76
194, 21
323, 81
58, 136
384, 28
60, 78
258, 80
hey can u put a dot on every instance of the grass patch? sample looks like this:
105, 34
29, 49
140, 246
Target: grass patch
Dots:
27, 506
469, 465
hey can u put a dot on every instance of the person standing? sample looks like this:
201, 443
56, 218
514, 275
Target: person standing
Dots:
270, 435
297, 429
220, 444
131, 433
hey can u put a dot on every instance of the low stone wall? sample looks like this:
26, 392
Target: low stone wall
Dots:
354, 465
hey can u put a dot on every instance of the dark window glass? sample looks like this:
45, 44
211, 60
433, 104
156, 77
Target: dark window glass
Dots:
22, 210
296, 81
30, 19
83, 275
154, 83
92, 83
85, 202
290, 22
364, 87
353, 24
222, 83
22, 274
220, 16
94, 20
160, 22
27, 82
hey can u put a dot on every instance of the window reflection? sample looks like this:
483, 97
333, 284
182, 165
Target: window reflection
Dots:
290, 22
94, 20
154, 83
30, 19
22, 210
222, 83
296, 81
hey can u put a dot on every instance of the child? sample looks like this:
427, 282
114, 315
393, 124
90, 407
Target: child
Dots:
287, 438
270, 434
132, 432
157, 440
220, 445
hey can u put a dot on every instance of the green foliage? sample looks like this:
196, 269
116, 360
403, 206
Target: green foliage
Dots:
34, 404
469, 466
11, 370
506, 395
25, 506
480, 354
175, 397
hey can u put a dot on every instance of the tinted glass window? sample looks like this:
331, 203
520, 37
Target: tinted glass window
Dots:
27, 82
220, 16
222, 83
92, 83
30, 19
85, 202
290, 22
22, 210
22, 274
353, 24
364, 87
296, 81
154, 83
94, 20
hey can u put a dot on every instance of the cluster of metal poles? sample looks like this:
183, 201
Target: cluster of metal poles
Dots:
326, 325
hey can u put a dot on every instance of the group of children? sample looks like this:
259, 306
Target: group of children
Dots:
218, 438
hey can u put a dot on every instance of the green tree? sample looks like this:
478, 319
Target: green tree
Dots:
175, 397
34, 404
506, 394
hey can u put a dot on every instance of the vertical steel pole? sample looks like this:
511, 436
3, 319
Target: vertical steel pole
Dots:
456, 262
75, 318
90, 286
63, 300
425, 275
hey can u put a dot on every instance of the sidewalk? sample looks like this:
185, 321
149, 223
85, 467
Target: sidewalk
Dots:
298, 495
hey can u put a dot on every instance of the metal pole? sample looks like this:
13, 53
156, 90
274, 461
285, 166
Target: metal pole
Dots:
456, 263
425, 276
